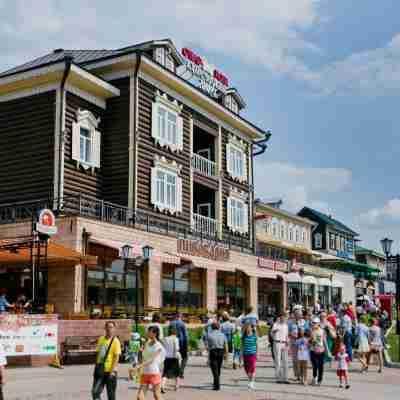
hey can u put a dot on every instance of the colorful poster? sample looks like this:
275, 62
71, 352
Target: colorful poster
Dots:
23, 335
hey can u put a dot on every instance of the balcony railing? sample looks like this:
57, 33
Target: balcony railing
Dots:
204, 225
204, 165
93, 208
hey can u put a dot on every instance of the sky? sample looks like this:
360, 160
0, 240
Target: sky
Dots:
322, 75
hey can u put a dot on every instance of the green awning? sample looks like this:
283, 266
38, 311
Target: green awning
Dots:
354, 266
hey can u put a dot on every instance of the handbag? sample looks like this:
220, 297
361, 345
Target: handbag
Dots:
99, 368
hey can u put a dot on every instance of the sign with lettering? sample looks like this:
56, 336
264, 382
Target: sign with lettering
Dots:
203, 249
206, 76
46, 222
27, 335
275, 265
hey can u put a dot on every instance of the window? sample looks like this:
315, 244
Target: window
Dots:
291, 233
237, 215
232, 104
163, 57
86, 140
166, 190
303, 235
167, 128
318, 240
332, 241
275, 224
236, 162
297, 234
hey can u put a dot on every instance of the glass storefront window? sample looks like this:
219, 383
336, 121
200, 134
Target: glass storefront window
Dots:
323, 295
336, 295
182, 286
231, 291
294, 293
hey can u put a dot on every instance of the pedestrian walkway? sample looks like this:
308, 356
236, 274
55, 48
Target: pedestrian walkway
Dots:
73, 383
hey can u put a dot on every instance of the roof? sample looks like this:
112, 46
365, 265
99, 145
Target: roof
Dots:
329, 220
354, 265
363, 250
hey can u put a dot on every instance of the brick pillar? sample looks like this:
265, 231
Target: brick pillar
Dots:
211, 289
284, 295
253, 292
152, 281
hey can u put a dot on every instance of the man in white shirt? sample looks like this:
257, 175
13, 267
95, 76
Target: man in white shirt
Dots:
280, 335
3, 363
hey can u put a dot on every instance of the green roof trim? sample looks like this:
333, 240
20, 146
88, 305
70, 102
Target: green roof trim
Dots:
364, 250
355, 266
331, 221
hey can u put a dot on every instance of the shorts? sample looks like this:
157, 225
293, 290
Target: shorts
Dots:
249, 363
341, 373
171, 368
237, 355
150, 379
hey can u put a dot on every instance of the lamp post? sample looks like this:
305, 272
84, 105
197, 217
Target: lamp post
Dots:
140, 261
387, 247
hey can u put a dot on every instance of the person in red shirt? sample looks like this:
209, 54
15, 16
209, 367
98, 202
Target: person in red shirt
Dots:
332, 317
350, 311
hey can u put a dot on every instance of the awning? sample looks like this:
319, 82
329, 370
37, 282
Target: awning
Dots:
309, 280
337, 284
354, 266
324, 282
293, 277
258, 273
205, 263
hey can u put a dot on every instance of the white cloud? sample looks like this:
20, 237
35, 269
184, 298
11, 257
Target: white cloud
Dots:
299, 186
379, 217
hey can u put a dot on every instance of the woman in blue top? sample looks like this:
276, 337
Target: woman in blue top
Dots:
249, 350
362, 332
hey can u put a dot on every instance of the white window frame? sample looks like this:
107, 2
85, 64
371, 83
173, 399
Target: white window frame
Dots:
162, 132
236, 160
86, 121
204, 205
318, 240
237, 210
163, 56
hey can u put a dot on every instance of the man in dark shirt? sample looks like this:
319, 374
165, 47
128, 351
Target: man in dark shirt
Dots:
182, 334
217, 347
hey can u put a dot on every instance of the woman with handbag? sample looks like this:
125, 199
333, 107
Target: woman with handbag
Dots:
172, 358
153, 356
105, 373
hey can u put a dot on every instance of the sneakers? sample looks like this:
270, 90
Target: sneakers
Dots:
347, 386
251, 385
314, 382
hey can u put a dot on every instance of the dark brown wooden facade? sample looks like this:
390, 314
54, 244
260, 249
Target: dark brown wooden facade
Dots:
27, 127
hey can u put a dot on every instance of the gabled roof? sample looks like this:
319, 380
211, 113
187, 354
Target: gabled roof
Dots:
328, 220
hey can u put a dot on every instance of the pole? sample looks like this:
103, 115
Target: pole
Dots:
398, 298
137, 298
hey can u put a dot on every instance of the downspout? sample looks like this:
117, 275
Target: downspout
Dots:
135, 126
68, 63
262, 148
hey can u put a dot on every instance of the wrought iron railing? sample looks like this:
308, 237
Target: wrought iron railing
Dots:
204, 165
89, 207
207, 225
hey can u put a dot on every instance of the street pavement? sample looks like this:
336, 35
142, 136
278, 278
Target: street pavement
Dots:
73, 383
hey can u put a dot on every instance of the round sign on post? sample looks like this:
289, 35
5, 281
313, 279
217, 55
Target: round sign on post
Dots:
46, 223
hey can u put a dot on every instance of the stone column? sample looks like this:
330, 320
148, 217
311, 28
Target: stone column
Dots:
211, 289
152, 283
284, 295
253, 292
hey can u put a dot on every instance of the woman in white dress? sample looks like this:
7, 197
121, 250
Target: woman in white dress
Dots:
376, 343
362, 332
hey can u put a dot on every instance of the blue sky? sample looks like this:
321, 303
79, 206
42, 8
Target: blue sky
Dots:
323, 75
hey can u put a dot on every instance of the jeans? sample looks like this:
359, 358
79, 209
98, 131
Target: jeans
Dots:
281, 361
216, 359
183, 350
348, 343
317, 361
109, 381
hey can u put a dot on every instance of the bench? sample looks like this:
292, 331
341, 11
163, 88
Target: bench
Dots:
79, 350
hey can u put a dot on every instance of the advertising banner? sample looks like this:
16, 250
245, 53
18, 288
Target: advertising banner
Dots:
27, 335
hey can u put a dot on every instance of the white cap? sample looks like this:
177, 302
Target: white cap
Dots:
316, 320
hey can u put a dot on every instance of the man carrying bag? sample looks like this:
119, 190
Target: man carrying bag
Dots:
105, 373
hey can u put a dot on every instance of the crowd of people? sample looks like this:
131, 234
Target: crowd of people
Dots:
309, 337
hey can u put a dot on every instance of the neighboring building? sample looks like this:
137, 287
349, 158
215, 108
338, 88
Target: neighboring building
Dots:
125, 150
336, 244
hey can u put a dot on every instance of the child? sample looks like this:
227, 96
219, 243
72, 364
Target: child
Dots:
343, 360
249, 350
303, 355
134, 347
237, 347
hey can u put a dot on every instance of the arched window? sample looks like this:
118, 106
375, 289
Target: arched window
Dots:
297, 230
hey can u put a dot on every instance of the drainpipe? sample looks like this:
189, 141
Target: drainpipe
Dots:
135, 124
68, 62
261, 144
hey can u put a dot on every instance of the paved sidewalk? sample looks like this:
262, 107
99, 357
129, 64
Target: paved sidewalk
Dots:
73, 383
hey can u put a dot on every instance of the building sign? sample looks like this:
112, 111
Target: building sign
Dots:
316, 271
46, 223
203, 249
26, 335
205, 75
275, 265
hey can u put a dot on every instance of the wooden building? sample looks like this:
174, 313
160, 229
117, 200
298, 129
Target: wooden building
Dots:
126, 148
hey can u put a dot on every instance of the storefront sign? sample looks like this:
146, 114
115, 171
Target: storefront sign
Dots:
26, 335
316, 271
274, 265
203, 249
207, 76
46, 223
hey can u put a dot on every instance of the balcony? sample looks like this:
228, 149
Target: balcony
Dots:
204, 225
204, 166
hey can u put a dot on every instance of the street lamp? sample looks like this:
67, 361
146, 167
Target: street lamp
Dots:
387, 247
147, 252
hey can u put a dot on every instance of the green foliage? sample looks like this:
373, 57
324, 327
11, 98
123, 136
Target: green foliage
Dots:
263, 330
393, 342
